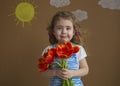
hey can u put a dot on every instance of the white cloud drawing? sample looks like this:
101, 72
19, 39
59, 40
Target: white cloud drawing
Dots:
59, 3
111, 4
80, 14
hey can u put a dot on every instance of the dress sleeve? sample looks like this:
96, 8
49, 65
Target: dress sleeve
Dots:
46, 49
81, 53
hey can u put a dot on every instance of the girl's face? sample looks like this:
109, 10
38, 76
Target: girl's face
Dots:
63, 30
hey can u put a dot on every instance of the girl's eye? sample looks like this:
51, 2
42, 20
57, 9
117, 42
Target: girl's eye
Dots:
68, 28
58, 28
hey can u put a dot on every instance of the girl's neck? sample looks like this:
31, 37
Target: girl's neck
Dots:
60, 42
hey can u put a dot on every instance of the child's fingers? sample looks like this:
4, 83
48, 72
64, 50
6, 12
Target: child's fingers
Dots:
61, 74
67, 73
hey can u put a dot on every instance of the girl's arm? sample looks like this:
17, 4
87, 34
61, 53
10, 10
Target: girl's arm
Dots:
65, 73
50, 73
84, 69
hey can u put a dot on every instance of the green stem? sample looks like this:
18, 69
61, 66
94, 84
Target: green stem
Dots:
68, 82
64, 63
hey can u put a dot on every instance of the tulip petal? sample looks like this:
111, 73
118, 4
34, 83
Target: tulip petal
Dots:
64, 50
42, 66
49, 56
76, 49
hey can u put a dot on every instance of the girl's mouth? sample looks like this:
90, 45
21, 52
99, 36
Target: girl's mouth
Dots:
63, 36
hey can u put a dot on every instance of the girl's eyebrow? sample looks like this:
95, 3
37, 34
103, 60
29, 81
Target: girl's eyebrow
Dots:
62, 26
58, 26
68, 26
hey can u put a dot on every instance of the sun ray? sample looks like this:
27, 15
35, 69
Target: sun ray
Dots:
17, 23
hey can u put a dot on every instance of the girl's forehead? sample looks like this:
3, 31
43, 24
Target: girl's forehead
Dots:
64, 22
62, 18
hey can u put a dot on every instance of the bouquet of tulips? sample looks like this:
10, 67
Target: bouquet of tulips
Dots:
62, 51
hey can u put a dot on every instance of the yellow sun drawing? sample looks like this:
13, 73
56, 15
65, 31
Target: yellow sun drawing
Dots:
24, 12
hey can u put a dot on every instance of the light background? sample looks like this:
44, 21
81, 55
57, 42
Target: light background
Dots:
20, 47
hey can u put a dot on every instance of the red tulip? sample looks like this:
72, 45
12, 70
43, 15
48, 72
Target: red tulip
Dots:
45, 61
75, 49
49, 56
65, 50
43, 65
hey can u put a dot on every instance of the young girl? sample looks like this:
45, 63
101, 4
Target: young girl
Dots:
65, 27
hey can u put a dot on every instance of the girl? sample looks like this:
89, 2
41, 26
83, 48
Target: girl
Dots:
65, 27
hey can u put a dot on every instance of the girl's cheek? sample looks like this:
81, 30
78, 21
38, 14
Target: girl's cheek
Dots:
58, 32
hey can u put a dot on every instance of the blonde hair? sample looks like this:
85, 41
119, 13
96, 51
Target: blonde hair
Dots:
77, 38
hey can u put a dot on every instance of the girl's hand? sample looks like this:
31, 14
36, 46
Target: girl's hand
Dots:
64, 73
67, 73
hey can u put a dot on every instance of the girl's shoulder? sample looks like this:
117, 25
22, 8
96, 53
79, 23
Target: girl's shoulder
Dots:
81, 53
47, 47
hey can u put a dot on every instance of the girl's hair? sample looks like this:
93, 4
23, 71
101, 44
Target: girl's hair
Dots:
77, 38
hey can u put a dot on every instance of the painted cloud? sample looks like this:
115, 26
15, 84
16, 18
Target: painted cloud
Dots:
111, 4
59, 3
81, 15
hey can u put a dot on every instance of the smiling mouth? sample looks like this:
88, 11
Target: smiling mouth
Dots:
63, 36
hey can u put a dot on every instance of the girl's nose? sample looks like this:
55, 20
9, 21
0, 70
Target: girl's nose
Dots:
64, 30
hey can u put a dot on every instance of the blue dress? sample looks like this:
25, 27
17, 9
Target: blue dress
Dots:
73, 64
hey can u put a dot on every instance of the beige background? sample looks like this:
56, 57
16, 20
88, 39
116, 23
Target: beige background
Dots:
21, 47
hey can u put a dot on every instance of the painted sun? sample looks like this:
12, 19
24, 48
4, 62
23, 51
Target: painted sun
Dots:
24, 12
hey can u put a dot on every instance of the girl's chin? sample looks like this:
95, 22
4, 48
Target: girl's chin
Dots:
61, 41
